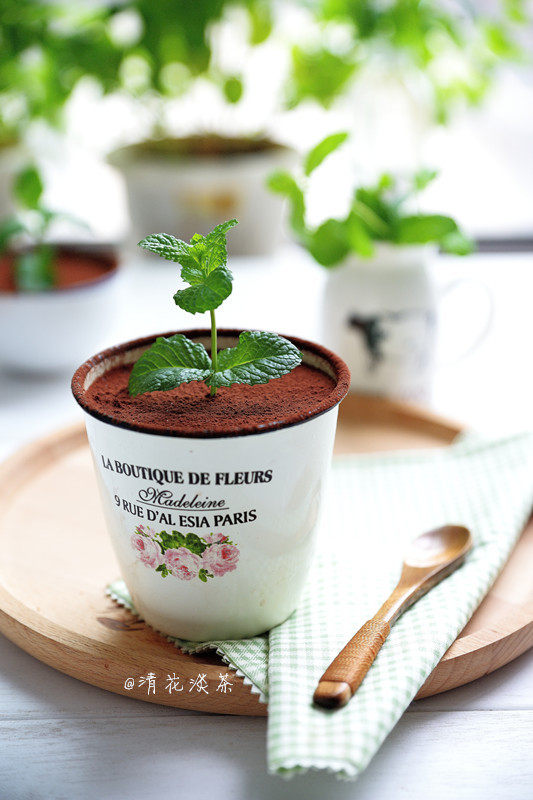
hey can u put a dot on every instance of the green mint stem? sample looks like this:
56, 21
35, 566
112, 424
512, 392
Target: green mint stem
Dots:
214, 352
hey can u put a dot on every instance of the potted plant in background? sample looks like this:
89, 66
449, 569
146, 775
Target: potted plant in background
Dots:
213, 168
55, 300
211, 447
379, 307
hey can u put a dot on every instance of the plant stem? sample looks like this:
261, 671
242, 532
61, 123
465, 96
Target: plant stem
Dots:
214, 350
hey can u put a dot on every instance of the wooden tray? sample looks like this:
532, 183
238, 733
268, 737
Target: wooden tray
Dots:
56, 560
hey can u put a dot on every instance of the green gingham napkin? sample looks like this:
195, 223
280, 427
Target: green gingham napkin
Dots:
375, 505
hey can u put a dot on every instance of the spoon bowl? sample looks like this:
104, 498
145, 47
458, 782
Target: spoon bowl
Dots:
439, 546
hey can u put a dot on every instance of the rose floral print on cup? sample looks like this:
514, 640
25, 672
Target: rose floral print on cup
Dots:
185, 556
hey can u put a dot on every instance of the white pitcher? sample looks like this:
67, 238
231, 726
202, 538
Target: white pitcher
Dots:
380, 315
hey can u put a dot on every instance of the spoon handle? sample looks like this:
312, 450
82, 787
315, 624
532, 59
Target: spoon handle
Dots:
347, 670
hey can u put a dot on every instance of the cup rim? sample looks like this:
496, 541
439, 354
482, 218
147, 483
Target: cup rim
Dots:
318, 356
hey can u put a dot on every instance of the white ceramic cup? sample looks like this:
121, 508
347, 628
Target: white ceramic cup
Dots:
381, 316
50, 331
192, 194
248, 501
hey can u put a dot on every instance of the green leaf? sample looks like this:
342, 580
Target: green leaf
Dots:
258, 358
169, 363
329, 243
203, 575
9, 229
171, 541
166, 246
163, 569
260, 21
457, 243
359, 239
215, 253
174, 540
28, 187
283, 183
34, 269
194, 543
320, 74
423, 228
317, 155
423, 178
233, 89
205, 296
203, 266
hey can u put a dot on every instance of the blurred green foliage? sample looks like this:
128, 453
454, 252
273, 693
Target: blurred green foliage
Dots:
141, 46
24, 234
382, 212
158, 47
452, 46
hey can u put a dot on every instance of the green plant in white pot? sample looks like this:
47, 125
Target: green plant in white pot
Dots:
379, 308
56, 301
206, 155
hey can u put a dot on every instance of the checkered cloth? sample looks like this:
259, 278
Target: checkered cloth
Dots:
375, 505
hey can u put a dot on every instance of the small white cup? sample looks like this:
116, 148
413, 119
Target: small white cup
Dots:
248, 501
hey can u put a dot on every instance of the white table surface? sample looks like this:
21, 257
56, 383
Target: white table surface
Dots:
60, 738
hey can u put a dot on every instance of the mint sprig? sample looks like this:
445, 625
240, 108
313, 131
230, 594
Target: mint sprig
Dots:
257, 358
34, 269
377, 213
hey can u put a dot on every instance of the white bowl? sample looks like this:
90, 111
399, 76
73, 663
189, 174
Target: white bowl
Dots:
52, 330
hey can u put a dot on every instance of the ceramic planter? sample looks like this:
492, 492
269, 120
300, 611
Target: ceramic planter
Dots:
232, 518
380, 314
50, 331
192, 194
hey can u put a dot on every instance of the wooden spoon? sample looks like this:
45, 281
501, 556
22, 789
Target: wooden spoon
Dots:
431, 557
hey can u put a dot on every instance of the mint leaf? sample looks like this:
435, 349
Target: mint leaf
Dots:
283, 183
320, 151
359, 239
9, 229
162, 568
423, 228
169, 363
208, 293
258, 358
203, 266
28, 187
457, 243
34, 270
166, 246
329, 243
215, 245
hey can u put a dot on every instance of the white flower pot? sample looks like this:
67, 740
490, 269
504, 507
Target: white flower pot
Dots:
50, 331
191, 194
381, 314
255, 499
